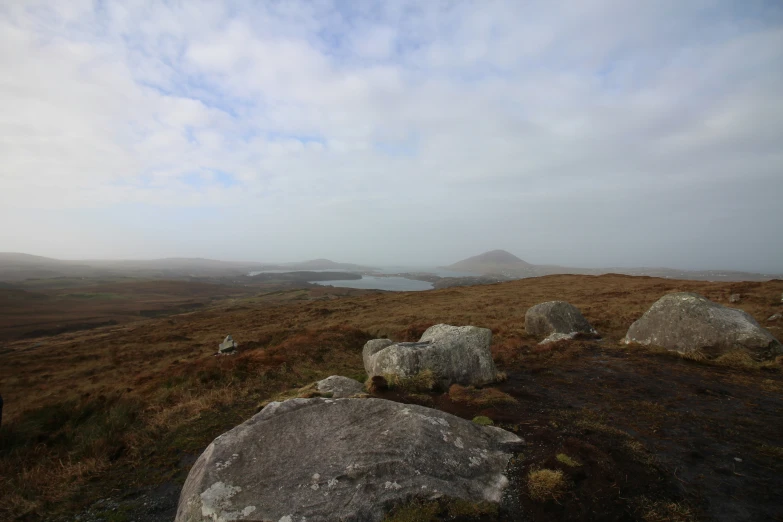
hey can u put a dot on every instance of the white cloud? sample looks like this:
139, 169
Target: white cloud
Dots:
372, 127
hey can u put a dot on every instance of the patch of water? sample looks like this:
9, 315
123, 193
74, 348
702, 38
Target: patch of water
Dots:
398, 284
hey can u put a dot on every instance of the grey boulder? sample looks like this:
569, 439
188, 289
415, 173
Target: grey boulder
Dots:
687, 322
455, 354
228, 345
340, 386
735, 298
343, 459
557, 317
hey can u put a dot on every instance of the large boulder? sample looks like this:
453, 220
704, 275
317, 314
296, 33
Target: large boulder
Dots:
455, 354
557, 317
340, 386
343, 459
687, 322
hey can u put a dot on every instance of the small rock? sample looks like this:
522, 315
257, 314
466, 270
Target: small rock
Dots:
228, 345
545, 319
340, 386
557, 336
735, 298
774, 317
738, 459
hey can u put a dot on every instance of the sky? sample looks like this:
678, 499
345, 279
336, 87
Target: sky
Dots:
591, 133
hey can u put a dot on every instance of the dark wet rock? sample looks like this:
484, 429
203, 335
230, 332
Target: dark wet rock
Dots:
343, 459
557, 317
687, 322
455, 354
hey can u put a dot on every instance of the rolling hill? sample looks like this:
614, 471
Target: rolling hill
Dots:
495, 262
503, 263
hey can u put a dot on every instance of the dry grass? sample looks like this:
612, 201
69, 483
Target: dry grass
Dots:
662, 511
424, 381
639, 452
48, 453
737, 359
441, 509
165, 392
546, 484
776, 452
568, 461
480, 397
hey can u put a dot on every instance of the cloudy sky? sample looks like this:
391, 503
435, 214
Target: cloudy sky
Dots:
589, 133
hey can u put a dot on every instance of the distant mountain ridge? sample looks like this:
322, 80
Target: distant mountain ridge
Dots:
502, 263
16, 266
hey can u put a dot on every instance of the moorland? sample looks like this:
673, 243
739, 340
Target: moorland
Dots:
104, 422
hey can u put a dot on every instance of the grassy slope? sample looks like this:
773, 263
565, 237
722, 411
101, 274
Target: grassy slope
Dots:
102, 403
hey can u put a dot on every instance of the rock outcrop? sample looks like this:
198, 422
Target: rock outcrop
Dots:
455, 354
340, 387
557, 317
687, 322
343, 459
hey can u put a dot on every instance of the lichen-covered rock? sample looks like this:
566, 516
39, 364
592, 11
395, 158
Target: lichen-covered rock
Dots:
687, 322
735, 298
455, 354
343, 459
339, 386
560, 317
371, 348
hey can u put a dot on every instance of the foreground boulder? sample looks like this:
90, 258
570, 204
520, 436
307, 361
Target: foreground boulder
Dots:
687, 322
340, 386
557, 317
343, 459
455, 354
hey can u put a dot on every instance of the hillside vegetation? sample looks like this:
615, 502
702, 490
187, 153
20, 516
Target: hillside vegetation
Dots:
121, 411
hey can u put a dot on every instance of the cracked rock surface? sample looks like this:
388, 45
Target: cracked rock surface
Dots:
343, 459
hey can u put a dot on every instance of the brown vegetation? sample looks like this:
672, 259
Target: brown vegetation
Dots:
656, 435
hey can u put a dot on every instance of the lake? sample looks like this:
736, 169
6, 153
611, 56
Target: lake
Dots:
399, 284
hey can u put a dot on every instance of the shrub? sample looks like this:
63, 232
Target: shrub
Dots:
568, 461
546, 484
424, 381
737, 359
376, 384
481, 398
483, 421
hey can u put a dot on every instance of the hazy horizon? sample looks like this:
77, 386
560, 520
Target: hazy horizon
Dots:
382, 265
598, 134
